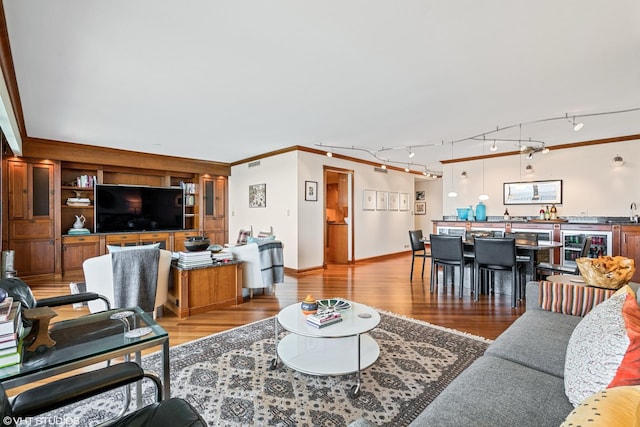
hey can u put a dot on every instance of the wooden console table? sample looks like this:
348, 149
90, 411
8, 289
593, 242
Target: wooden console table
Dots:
201, 289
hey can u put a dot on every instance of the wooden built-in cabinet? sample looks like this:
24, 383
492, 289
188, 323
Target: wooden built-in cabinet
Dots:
214, 207
630, 246
31, 216
37, 212
75, 249
138, 239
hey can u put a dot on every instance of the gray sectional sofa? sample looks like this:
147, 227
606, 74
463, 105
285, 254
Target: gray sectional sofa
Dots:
519, 381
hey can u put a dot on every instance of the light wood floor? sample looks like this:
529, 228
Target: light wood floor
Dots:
383, 284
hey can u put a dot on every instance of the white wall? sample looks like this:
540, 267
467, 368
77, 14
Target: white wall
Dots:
433, 191
591, 185
300, 224
280, 174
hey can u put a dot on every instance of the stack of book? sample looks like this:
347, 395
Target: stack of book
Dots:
11, 331
222, 256
194, 259
326, 318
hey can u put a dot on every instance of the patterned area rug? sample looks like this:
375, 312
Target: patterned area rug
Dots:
225, 378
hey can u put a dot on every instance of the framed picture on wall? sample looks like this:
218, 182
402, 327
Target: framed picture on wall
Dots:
421, 208
369, 200
381, 200
403, 200
532, 193
393, 201
258, 196
420, 195
311, 191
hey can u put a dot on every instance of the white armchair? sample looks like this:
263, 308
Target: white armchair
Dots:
259, 271
98, 276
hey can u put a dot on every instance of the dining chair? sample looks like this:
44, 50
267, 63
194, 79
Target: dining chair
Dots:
418, 249
448, 252
524, 257
497, 255
550, 268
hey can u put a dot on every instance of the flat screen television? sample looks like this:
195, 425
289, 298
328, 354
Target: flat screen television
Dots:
121, 208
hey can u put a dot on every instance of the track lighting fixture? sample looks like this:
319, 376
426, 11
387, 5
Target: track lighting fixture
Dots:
493, 147
329, 153
411, 153
530, 155
618, 161
528, 170
576, 126
483, 196
463, 175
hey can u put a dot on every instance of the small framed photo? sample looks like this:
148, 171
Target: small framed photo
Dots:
311, 191
381, 200
421, 208
369, 200
404, 201
420, 195
393, 201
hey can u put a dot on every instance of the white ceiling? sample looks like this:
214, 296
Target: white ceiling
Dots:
227, 80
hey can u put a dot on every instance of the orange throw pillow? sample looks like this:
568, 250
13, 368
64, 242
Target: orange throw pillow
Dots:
629, 371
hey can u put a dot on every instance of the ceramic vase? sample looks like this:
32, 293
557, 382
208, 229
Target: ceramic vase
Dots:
481, 212
309, 305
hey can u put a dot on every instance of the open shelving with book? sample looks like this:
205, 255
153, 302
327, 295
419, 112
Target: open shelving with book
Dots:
76, 194
190, 186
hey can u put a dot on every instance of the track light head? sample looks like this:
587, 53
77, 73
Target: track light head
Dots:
618, 161
493, 147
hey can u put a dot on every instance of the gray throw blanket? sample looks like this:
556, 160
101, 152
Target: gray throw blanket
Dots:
135, 277
271, 262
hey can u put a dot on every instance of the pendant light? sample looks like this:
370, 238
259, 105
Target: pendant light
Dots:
452, 193
483, 196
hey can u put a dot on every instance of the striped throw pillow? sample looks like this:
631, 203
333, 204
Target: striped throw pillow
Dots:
568, 298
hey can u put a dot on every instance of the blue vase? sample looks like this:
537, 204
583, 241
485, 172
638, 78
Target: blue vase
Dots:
481, 212
470, 214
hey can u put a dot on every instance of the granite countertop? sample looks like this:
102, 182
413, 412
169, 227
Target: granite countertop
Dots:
535, 220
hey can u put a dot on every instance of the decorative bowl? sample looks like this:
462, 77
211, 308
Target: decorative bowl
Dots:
215, 248
333, 303
196, 243
606, 271
463, 213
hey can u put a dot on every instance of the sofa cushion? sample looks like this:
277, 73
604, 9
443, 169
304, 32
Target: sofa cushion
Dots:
568, 298
615, 407
497, 392
549, 331
603, 348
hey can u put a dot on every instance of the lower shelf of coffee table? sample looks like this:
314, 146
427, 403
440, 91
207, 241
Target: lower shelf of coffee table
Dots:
327, 356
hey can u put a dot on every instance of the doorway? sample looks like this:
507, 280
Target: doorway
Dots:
338, 208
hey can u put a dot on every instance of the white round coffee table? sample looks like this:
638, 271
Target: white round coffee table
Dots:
338, 349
